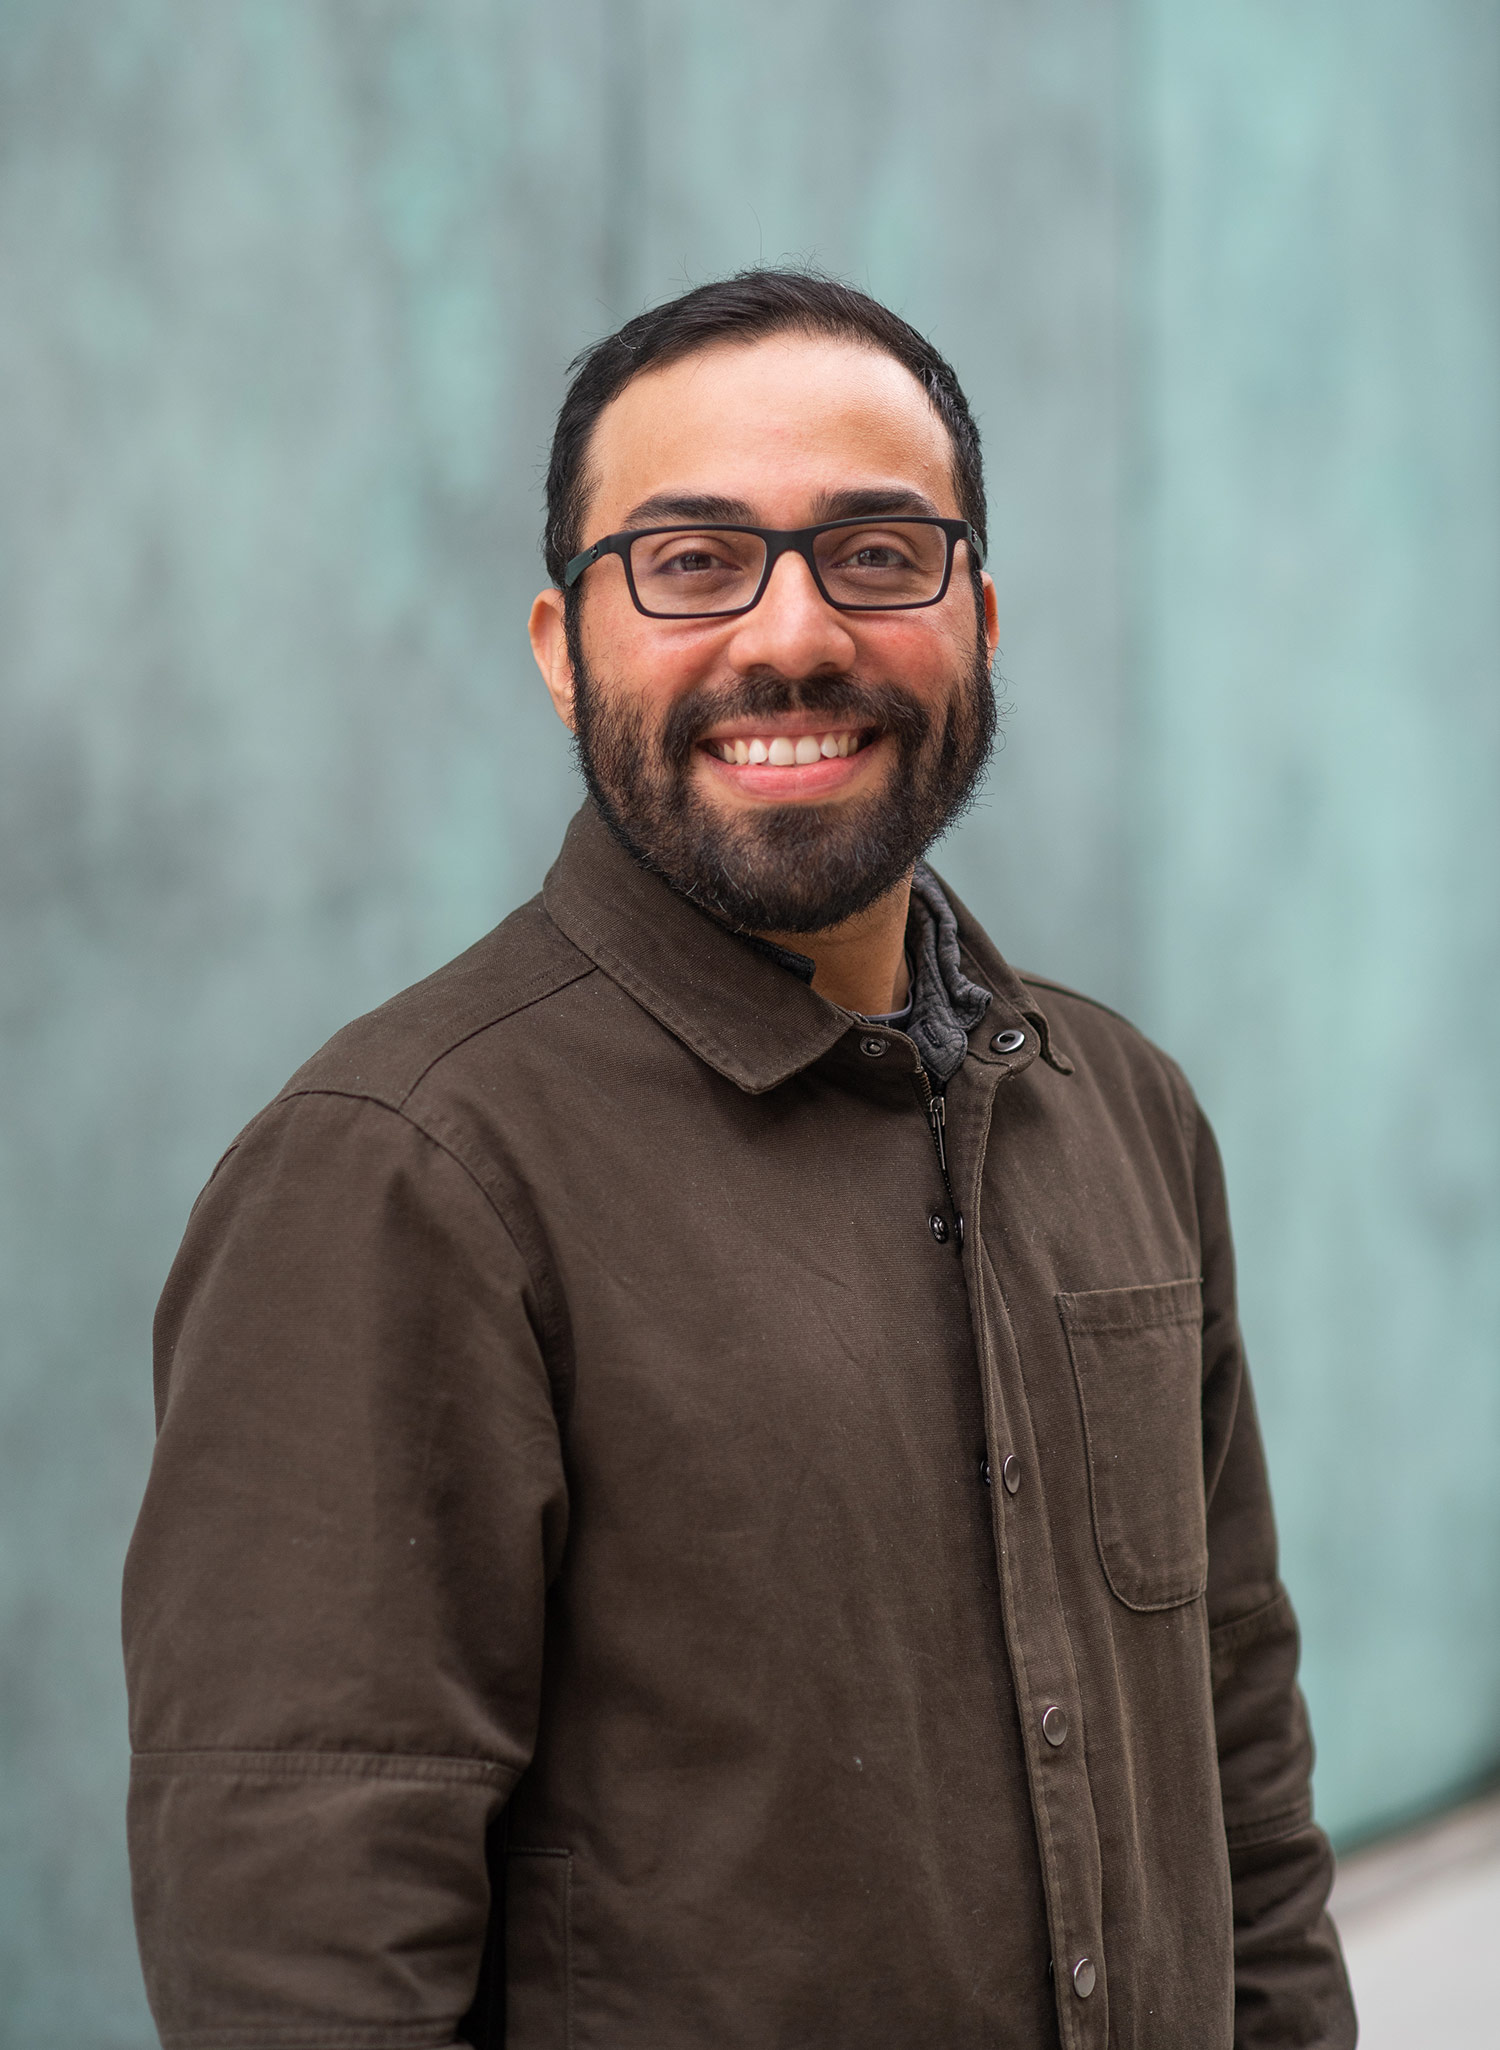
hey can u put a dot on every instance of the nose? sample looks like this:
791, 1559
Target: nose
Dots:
793, 630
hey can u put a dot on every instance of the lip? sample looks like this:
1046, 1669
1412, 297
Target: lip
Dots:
774, 784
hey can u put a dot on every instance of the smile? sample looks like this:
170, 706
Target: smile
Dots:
781, 751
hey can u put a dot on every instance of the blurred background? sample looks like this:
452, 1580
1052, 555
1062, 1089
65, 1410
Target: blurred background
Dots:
287, 292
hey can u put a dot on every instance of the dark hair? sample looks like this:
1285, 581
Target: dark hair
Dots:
752, 304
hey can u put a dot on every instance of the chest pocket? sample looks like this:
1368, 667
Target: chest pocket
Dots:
1138, 1362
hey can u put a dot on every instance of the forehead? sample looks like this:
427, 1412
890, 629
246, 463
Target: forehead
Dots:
776, 423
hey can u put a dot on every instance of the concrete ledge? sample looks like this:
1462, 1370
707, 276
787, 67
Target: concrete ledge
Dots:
1418, 1916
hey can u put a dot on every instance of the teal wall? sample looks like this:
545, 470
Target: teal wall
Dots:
286, 292
1314, 541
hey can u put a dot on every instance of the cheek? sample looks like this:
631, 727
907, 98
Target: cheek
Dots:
654, 663
930, 659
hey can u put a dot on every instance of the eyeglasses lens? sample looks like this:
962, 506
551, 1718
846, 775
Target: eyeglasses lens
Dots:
886, 563
875, 565
690, 572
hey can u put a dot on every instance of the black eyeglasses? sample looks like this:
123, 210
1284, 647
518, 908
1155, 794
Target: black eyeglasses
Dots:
711, 571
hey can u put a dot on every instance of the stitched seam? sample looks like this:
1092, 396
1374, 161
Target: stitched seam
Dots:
537, 991
397, 1102
1158, 1603
546, 1292
1241, 1630
1041, 1806
396, 1110
667, 1011
1270, 1829
568, 1954
692, 1032
295, 2036
1088, 1329
561, 1363
1087, 1311
1193, 1590
375, 1765
1069, 2025
542, 984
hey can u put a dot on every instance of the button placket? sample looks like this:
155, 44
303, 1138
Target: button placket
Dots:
1041, 1657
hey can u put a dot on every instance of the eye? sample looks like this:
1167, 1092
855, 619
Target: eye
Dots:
873, 548
695, 556
875, 555
685, 561
884, 563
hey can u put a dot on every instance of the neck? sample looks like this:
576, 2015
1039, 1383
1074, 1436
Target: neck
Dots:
861, 964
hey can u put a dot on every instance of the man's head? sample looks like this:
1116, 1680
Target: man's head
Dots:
774, 400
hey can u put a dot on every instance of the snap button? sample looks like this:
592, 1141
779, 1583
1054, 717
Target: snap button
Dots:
937, 1224
1055, 1726
872, 1046
1010, 1473
1084, 1977
984, 1472
1008, 1041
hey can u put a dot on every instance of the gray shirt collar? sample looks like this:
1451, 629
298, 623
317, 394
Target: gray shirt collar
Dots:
945, 1004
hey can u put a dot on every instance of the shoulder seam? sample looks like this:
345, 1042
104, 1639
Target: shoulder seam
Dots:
1064, 989
537, 992
398, 1110
549, 1296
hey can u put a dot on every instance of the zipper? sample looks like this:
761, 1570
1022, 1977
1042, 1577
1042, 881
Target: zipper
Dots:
937, 1124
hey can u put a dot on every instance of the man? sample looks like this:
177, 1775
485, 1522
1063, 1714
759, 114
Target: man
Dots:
707, 1490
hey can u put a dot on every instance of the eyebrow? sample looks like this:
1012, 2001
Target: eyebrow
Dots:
673, 506
874, 500
866, 502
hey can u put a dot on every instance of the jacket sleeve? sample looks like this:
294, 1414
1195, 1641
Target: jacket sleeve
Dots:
1291, 1990
334, 1596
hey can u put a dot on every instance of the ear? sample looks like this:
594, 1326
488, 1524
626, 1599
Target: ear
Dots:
549, 644
991, 614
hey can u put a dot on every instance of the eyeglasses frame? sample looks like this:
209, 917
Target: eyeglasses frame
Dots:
779, 541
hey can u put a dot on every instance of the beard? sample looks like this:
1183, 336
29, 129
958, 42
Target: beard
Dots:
783, 868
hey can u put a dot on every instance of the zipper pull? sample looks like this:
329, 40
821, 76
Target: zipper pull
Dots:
937, 1117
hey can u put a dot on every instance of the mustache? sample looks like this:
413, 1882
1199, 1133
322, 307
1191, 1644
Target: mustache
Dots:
839, 697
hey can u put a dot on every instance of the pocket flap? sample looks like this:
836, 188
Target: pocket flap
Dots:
1133, 1309
1138, 1365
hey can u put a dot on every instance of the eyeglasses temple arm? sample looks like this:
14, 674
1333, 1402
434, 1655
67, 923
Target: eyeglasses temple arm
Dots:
579, 564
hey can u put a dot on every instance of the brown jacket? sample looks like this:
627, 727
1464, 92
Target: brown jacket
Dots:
586, 1430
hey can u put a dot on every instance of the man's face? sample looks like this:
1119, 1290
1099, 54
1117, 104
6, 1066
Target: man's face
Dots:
778, 433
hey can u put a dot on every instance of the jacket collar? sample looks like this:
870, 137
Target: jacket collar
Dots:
1012, 995
750, 1019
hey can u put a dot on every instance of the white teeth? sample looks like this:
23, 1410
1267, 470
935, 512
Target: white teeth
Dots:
783, 752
